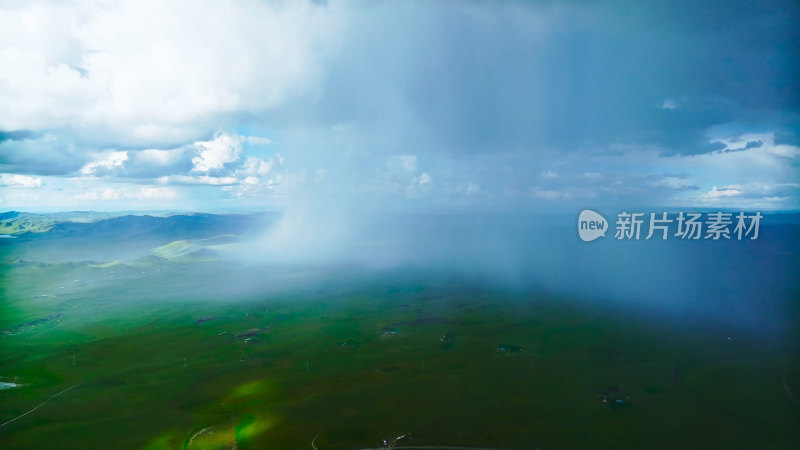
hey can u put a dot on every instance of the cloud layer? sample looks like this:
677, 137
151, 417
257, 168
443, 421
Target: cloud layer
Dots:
412, 105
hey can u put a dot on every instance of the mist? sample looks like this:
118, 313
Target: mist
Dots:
748, 285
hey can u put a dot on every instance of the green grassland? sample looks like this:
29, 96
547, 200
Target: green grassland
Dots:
161, 357
14, 223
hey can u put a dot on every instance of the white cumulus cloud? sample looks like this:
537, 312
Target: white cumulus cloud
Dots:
159, 157
214, 154
20, 181
256, 166
202, 179
143, 193
716, 194
223, 149
105, 162
420, 185
149, 70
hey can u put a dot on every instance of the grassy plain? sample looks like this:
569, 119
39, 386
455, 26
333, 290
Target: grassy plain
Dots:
162, 357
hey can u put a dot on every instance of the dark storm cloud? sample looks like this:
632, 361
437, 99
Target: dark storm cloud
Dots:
40, 155
563, 75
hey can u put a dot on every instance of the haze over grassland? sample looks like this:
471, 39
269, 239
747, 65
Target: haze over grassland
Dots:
747, 284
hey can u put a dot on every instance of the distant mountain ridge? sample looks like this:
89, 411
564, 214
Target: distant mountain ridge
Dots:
107, 226
16, 222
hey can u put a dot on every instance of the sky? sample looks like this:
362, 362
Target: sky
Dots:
399, 106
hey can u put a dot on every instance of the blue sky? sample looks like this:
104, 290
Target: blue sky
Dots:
548, 106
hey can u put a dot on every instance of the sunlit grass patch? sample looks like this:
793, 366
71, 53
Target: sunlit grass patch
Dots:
253, 388
251, 426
